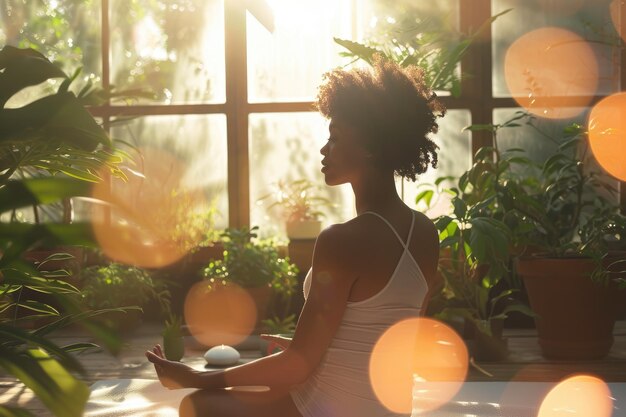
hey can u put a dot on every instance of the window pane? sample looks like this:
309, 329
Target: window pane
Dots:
589, 19
287, 65
454, 158
174, 48
540, 142
65, 31
198, 141
404, 28
285, 147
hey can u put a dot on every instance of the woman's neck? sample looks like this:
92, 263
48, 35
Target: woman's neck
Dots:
376, 193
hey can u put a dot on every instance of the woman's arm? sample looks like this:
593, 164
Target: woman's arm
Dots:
318, 322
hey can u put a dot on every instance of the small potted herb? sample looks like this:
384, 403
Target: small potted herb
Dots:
173, 339
301, 207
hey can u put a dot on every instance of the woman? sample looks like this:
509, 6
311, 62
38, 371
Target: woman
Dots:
367, 273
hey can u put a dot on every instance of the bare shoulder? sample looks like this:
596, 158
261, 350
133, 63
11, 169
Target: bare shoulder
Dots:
338, 244
335, 238
426, 227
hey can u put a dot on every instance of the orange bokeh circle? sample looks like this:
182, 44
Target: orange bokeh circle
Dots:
418, 365
561, 7
143, 221
578, 396
551, 72
616, 18
218, 313
607, 134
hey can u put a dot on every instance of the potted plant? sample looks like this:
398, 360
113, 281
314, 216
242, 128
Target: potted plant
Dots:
578, 233
173, 339
255, 265
60, 141
300, 205
116, 285
474, 253
477, 242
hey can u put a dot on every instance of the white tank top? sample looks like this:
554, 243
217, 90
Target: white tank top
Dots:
340, 385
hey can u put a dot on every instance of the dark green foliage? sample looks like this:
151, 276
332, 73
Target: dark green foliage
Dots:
116, 285
49, 150
251, 262
424, 43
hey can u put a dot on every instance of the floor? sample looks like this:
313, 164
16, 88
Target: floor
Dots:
524, 363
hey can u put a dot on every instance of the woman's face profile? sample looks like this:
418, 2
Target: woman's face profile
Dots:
344, 156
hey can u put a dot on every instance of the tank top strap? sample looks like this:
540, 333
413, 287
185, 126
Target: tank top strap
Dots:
393, 229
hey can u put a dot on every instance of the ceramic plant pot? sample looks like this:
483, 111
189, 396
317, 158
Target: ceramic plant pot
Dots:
576, 314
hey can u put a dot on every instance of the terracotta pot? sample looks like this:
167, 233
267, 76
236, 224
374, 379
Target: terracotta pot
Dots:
576, 314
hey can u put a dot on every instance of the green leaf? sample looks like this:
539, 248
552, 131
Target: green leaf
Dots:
38, 307
439, 180
359, 50
14, 412
80, 234
426, 195
449, 241
47, 286
502, 295
460, 207
520, 308
519, 160
62, 394
442, 222
21, 68
488, 240
65, 168
482, 295
35, 191
60, 117
79, 347
485, 152
73, 315
27, 338
481, 128
452, 312
569, 143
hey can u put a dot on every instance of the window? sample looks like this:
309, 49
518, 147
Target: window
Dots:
234, 99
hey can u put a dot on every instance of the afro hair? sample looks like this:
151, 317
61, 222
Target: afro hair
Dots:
392, 108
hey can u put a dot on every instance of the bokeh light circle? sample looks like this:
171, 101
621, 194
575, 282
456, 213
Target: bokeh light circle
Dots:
561, 7
551, 72
578, 396
218, 313
614, 9
607, 134
418, 365
144, 220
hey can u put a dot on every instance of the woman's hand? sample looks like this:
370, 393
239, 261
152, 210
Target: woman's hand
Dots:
276, 341
173, 375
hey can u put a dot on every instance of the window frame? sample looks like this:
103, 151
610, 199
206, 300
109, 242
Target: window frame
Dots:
476, 94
